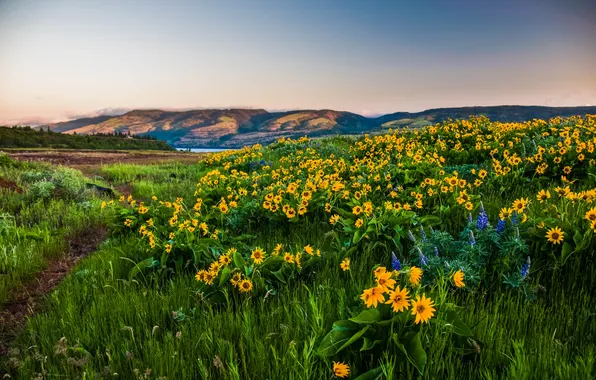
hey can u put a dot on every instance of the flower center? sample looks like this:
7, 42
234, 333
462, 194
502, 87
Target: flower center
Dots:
420, 309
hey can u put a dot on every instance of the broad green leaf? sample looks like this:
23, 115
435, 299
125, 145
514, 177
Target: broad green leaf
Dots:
239, 260
578, 237
279, 275
372, 374
459, 327
139, 267
367, 317
411, 346
354, 338
341, 332
345, 325
430, 220
565, 252
368, 344
224, 276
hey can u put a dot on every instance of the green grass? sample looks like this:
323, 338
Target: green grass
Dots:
101, 322
34, 226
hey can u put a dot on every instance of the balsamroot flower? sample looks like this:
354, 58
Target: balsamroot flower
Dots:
340, 369
458, 279
423, 309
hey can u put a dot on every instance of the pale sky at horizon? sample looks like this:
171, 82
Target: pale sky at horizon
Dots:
64, 58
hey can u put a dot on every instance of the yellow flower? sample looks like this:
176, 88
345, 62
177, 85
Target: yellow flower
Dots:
334, 219
308, 249
555, 235
215, 267
384, 280
277, 249
505, 213
200, 276
415, 275
288, 257
373, 296
398, 299
235, 280
458, 279
168, 248
520, 204
224, 260
543, 195
345, 264
358, 223
591, 215
423, 309
245, 286
208, 277
469, 206
357, 210
258, 255
341, 369
380, 271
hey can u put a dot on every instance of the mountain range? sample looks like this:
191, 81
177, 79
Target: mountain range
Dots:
241, 127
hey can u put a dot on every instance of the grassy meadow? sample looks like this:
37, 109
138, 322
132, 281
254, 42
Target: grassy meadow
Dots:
463, 250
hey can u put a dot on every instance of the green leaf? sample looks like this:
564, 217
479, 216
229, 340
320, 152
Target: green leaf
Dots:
368, 344
357, 237
367, 317
578, 237
354, 338
345, 325
239, 260
411, 345
225, 276
279, 275
139, 267
272, 261
565, 252
373, 374
459, 327
341, 332
430, 220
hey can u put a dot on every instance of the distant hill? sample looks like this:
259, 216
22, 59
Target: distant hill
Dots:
26, 137
240, 127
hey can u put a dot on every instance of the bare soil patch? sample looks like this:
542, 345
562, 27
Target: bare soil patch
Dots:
10, 185
27, 300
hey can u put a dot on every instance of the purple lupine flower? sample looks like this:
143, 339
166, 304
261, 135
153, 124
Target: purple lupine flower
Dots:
411, 236
395, 263
436, 251
472, 239
423, 259
482, 221
423, 234
526, 269
470, 220
500, 226
432, 232
514, 219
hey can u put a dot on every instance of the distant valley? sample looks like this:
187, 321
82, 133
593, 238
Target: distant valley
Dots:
241, 127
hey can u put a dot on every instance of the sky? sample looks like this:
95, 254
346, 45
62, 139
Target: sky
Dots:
61, 59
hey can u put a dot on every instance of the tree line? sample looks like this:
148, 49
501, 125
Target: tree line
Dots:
27, 137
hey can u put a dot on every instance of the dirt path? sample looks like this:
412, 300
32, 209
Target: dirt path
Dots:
28, 299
